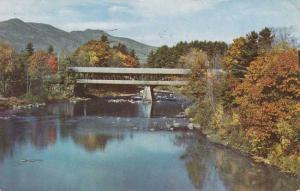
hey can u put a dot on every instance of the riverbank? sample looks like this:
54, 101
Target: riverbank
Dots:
18, 103
213, 137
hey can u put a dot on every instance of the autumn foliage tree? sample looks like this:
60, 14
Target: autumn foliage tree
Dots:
41, 67
98, 53
93, 53
9, 67
268, 96
240, 54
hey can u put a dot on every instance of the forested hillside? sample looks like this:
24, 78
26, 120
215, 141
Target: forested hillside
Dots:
18, 33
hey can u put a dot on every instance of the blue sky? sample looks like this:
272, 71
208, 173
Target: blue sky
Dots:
158, 22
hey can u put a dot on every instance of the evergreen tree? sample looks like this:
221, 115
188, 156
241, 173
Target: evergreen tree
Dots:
50, 49
122, 48
104, 38
150, 59
29, 49
265, 40
169, 57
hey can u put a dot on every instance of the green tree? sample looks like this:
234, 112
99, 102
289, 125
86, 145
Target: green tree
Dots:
200, 86
265, 40
122, 48
168, 57
50, 49
104, 38
29, 49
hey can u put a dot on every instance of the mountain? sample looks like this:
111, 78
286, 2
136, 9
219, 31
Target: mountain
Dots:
19, 33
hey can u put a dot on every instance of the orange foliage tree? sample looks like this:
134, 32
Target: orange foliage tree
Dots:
127, 60
98, 53
52, 63
41, 66
42, 63
268, 95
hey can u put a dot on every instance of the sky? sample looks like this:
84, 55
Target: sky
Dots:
159, 22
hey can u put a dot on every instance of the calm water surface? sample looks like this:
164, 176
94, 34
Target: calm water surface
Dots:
112, 145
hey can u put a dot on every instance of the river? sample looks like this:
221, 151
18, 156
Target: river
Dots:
122, 144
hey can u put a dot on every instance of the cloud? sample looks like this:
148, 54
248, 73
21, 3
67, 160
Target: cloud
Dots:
158, 22
105, 25
118, 9
152, 8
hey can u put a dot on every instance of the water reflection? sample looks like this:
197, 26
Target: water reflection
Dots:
104, 145
212, 167
36, 133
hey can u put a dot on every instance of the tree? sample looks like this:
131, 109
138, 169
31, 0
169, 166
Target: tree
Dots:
127, 60
168, 57
269, 95
8, 66
93, 53
50, 49
41, 67
200, 85
133, 55
235, 60
265, 40
284, 35
52, 63
150, 59
29, 49
98, 53
122, 48
104, 39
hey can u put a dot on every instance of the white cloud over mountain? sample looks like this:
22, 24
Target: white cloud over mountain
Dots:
158, 21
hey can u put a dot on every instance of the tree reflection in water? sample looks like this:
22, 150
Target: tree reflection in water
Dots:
94, 142
41, 134
34, 132
212, 167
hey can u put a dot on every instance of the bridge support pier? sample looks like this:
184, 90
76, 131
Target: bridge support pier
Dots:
148, 94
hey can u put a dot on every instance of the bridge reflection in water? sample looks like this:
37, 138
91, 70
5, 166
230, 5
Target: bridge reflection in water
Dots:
144, 109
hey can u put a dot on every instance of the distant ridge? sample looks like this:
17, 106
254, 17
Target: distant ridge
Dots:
19, 33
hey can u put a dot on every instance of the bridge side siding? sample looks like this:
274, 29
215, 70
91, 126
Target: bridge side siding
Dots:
107, 70
132, 82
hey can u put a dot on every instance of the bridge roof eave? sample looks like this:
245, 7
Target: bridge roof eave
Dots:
110, 70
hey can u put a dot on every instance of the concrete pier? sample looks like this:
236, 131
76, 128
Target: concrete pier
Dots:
148, 94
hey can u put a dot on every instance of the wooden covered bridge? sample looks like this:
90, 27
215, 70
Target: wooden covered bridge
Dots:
147, 77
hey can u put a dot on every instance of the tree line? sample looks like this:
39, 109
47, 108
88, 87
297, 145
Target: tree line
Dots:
169, 57
42, 74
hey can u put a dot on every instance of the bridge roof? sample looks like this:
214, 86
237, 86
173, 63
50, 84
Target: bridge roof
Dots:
109, 70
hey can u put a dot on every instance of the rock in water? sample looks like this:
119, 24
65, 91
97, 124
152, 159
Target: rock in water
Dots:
191, 126
175, 124
197, 126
